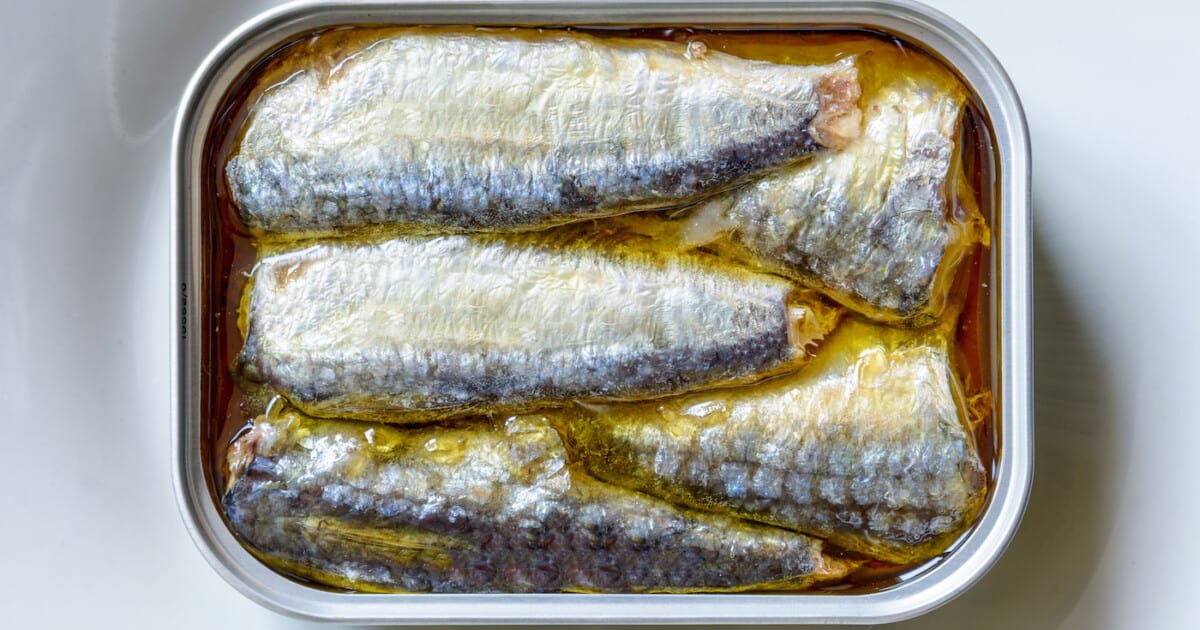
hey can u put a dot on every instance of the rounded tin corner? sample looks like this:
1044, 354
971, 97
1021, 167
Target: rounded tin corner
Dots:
934, 587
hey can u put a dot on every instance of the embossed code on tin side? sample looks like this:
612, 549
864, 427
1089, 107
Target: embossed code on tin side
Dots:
1011, 319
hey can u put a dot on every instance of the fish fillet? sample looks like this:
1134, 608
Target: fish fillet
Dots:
873, 224
379, 508
416, 328
489, 130
866, 448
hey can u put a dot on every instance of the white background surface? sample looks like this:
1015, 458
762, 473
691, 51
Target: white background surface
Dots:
88, 522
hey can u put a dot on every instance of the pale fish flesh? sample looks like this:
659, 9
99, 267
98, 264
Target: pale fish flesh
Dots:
474, 509
415, 328
442, 130
867, 448
876, 224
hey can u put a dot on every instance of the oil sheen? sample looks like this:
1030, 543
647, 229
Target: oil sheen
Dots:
230, 248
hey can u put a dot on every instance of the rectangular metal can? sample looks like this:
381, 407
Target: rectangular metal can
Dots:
1010, 317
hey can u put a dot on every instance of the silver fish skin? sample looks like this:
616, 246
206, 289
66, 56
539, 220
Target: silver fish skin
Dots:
872, 224
867, 448
474, 509
418, 328
451, 131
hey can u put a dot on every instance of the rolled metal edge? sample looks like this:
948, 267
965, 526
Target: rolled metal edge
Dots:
1011, 329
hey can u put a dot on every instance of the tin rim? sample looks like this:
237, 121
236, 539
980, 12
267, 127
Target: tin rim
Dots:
935, 586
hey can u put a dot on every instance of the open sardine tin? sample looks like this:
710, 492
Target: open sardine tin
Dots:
1009, 315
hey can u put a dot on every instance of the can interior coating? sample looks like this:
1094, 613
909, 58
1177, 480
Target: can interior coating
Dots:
195, 393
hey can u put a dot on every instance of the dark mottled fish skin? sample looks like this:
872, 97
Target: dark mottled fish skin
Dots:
873, 224
474, 509
416, 328
450, 131
867, 448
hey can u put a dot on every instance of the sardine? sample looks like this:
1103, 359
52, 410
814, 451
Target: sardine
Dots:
493, 130
866, 448
415, 328
473, 509
874, 224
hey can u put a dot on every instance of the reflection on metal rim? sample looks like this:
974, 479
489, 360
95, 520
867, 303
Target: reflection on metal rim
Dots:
1011, 320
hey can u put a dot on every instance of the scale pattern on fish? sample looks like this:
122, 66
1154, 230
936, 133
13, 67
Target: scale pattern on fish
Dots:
475, 509
874, 224
866, 448
415, 328
444, 131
